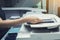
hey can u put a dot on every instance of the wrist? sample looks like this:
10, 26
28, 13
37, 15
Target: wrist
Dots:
24, 20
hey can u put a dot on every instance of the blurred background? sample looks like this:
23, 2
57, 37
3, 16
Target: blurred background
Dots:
23, 3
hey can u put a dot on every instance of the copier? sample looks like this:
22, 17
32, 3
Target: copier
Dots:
47, 30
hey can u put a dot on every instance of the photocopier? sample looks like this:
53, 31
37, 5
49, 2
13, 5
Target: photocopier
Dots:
47, 30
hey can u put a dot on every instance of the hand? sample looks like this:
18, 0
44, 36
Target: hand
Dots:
33, 19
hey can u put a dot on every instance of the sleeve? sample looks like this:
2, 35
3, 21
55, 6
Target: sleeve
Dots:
2, 14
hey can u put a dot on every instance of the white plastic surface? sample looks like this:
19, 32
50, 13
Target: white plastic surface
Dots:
44, 16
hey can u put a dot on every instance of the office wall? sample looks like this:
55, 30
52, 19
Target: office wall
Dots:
19, 3
50, 6
7, 3
53, 6
26, 3
57, 4
2, 3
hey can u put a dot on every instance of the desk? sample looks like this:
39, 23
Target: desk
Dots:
25, 8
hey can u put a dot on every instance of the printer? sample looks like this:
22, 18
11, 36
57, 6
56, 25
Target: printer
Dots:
47, 30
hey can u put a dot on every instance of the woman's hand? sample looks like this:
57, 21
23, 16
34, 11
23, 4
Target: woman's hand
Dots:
33, 19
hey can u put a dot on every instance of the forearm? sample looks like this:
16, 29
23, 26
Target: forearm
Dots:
10, 23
